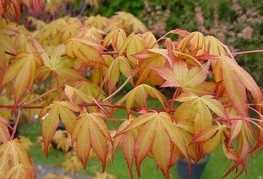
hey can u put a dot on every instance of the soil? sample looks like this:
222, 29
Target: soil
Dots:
44, 170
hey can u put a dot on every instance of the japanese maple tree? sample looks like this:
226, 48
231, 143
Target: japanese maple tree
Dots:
69, 71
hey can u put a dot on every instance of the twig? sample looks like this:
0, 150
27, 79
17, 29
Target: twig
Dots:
247, 52
16, 124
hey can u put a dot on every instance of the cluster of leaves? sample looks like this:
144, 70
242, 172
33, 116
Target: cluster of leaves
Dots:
79, 63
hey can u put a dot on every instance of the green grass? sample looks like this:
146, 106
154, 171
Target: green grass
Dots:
215, 169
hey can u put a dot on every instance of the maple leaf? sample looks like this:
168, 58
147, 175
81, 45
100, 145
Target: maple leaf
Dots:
215, 47
182, 76
4, 132
117, 67
6, 43
22, 74
115, 38
98, 21
235, 81
150, 40
86, 49
244, 146
62, 140
209, 138
10, 7
139, 94
90, 131
132, 45
15, 162
149, 59
126, 141
192, 43
62, 67
156, 134
198, 110
51, 115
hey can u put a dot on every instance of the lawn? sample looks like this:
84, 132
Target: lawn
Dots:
215, 168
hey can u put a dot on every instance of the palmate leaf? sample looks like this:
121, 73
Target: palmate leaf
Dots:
199, 110
6, 43
235, 81
117, 66
156, 134
126, 141
149, 59
182, 76
22, 74
4, 132
15, 161
51, 115
132, 45
192, 43
86, 49
59, 65
139, 94
90, 131
150, 40
209, 138
115, 38
243, 134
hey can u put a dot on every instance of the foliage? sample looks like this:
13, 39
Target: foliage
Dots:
209, 107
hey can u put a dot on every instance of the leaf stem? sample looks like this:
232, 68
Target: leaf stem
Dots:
46, 93
123, 85
14, 129
247, 52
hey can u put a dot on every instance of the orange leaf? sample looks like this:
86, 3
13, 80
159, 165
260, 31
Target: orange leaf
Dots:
49, 124
209, 138
155, 129
139, 94
235, 90
80, 136
246, 80
195, 110
59, 65
15, 161
115, 38
132, 45
90, 131
117, 66
147, 60
161, 149
86, 49
22, 72
126, 141
51, 115
182, 76
4, 132
150, 40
